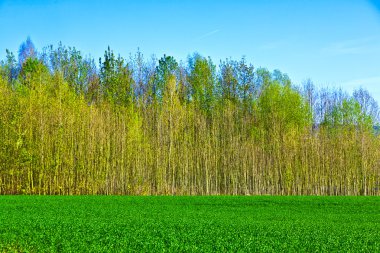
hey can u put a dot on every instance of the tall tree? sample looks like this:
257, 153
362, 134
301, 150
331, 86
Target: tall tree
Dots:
116, 79
247, 88
229, 80
281, 108
310, 94
201, 79
33, 73
26, 50
167, 66
368, 104
9, 69
349, 114
75, 68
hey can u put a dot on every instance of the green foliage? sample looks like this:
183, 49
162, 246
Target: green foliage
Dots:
167, 67
281, 78
202, 79
177, 224
32, 72
8, 68
282, 109
247, 88
263, 77
116, 79
138, 128
368, 105
349, 114
76, 70
228, 81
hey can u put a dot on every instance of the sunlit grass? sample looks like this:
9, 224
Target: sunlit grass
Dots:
115, 223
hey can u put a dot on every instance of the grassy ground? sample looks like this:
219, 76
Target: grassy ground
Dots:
178, 224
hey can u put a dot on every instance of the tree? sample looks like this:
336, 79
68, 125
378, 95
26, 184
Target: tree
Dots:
26, 50
159, 127
116, 79
281, 78
247, 88
9, 69
229, 80
262, 79
139, 69
368, 104
32, 72
348, 114
184, 88
201, 79
167, 66
310, 94
281, 108
76, 69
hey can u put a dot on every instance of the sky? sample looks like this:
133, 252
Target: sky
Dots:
334, 43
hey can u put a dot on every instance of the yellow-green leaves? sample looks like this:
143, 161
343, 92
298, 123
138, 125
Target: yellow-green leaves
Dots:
281, 108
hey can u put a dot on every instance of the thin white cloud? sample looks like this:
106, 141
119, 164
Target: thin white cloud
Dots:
364, 82
371, 84
353, 46
272, 45
207, 35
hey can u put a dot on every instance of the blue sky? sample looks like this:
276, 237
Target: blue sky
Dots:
335, 43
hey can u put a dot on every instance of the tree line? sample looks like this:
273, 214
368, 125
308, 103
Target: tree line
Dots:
158, 126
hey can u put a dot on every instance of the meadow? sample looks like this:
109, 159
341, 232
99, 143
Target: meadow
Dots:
189, 224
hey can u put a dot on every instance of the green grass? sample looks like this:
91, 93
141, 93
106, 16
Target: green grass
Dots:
186, 224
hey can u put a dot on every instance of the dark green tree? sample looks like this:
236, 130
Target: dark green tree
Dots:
167, 66
228, 80
247, 89
9, 69
32, 73
116, 78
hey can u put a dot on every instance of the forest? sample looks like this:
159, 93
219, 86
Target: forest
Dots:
157, 126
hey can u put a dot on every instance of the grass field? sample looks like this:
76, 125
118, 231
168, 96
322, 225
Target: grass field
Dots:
186, 224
